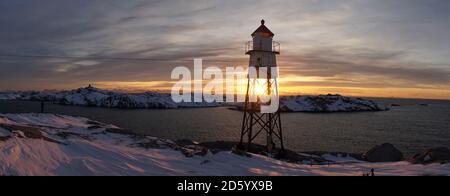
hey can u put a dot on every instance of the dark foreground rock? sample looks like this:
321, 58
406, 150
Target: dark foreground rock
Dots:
383, 153
315, 157
220, 146
434, 155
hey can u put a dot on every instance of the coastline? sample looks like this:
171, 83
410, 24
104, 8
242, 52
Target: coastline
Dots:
94, 97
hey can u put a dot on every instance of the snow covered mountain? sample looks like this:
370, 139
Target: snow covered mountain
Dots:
48, 144
91, 96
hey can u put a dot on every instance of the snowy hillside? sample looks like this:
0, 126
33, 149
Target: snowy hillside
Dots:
9, 95
47, 144
90, 96
328, 103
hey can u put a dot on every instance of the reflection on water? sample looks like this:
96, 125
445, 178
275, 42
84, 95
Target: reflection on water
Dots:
412, 127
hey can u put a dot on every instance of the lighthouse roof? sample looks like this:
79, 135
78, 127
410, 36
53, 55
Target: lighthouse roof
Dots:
263, 29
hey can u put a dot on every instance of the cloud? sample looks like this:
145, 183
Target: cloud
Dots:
353, 43
369, 68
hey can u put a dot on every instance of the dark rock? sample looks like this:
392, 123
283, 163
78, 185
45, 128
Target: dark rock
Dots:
240, 152
434, 155
205, 162
153, 144
357, 156
65, 135
6, 138
187, 152
219, 146
286, 155
121, 131
383, 153
191, 150
29, 132
185, 142
198, 150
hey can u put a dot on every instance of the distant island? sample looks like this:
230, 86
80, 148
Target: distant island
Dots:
94, 97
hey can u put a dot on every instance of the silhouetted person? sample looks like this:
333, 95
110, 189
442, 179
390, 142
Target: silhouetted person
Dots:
371, 173
42, 106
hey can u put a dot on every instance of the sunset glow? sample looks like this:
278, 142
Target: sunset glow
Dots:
399, 48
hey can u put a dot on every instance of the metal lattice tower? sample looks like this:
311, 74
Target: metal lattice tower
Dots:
263, 51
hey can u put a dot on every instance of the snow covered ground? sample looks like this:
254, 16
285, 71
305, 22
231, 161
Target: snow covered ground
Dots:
91, 96
47, 144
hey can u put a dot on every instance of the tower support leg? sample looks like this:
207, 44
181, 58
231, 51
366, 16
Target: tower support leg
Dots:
255, 124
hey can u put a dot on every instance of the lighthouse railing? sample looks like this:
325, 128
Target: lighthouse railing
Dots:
276, 47
249, 47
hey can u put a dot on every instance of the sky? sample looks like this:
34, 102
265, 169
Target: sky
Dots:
375, 48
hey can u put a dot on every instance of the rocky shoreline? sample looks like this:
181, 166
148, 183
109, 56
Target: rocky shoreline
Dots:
381, 153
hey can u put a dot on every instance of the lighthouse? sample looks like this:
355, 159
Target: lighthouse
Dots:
262, 82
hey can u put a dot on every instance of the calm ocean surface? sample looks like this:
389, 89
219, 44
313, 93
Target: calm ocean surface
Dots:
412, 127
